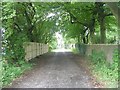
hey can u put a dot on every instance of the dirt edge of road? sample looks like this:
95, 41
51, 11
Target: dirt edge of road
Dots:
86, 65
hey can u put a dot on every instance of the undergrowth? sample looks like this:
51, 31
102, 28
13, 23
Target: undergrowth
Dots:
0, 72
12, 71
105, 72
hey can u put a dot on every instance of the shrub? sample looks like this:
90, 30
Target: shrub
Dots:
104, 72
10, 71
97, 57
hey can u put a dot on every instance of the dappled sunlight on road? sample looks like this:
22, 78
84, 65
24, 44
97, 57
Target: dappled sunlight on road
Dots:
62, 50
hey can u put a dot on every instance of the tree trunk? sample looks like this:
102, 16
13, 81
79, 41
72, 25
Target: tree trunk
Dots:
92, 29
92, 34
102, 31
84, 40
78, 39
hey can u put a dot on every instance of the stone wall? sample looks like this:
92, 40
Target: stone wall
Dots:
33, 49
108, 49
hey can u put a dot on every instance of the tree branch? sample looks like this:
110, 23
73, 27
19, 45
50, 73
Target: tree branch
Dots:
76, 20
115, 9
110, 14
17, 26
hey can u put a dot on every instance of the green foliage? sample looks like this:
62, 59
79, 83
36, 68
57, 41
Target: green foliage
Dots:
97, 57
14, 36
75, 51
87, 15
31, 21
14, 50
115, 60
107, 73
11, 71
53, 44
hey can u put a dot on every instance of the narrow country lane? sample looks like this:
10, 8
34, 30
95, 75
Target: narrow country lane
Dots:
55, 70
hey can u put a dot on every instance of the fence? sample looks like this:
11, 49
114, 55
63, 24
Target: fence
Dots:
33, 49
108, 49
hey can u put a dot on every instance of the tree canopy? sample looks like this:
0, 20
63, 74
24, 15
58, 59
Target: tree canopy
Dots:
88, 23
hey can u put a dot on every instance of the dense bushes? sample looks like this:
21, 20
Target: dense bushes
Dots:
105, 72
11, 71
13, 37
13, 49
98, 57
13, 58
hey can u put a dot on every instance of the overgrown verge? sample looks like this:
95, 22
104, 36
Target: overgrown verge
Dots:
0, 72
12, 71
13, 57
106, 73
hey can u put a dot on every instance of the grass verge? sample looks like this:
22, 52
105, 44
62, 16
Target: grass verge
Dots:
12, 71
104, 72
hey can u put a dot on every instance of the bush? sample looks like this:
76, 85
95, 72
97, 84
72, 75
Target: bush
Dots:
98, 57
10, 72
104, 72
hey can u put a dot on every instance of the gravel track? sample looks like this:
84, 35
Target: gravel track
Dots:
55, 70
